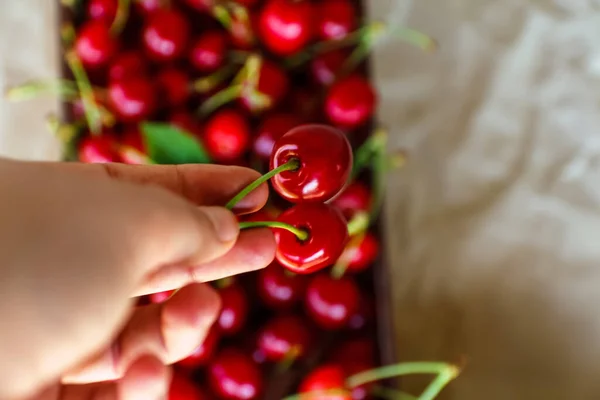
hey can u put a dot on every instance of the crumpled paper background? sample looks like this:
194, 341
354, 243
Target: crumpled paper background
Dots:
494, 225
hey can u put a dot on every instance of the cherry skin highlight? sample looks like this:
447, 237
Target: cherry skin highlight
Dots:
331, 302
326, 67
234, 309
337, 19
132, 100
227, 135
233, 375
94, 45
280, 289
98, 150
350, 102
105, 10
286, 26
165, 35
209, 51
284, 336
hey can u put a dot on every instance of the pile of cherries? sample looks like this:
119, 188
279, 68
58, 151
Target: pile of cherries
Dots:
276, 85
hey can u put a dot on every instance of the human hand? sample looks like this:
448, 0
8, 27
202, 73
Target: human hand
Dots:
78, 242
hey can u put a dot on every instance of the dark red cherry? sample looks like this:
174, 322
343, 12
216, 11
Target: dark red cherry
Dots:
270, 130
326, 67
104, 10
331, 302
147, 7
362, 392
185, 121
166, 34
286, 26
361, 255
325, 157
355, 197
200, 5
247, 3
94, 44
174, 86
273, 83
326, 379
227, 135
234, 309
98, 150
357, 349
201, 356
233, 375
182, 388
132, 100
208, 51
127, 65
337, 18
327, 237
283, 337
305, 104
350, 102
364, 315
280, 289
160, 297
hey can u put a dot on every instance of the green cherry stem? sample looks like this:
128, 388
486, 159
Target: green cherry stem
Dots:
121, 18
300, 233
291, 165
67, 34
358, 224
385, 393
65, 88
92, 111
357, 228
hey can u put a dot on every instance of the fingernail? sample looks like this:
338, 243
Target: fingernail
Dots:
225, 224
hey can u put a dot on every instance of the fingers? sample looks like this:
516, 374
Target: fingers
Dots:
171, 330
253, 250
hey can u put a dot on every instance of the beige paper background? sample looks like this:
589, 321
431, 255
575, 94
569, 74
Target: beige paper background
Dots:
494, 227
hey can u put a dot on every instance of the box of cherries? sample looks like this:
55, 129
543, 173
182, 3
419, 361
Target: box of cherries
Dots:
281, 86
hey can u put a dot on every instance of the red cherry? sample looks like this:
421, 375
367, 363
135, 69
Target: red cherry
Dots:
286, 26
364, 315
227, 135
174, 85
325, 157
355, 197
208, 51
284, 336
132, 100
328, 235
186, 122
247, 3
160, 297
234, 376
350, 102
326, 67
331, 302
326, 378
147, 7
182, 388
200, 5
94, 44
203, 353
359, 349
105, 10
361, 392
127, 65
166, 34
337, 19
280, 289
272, 128
272, 82
234, 309
305, 104
98, 150
361, 256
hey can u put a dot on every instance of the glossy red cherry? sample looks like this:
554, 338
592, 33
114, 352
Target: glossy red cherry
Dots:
354, 350
326, 379
166, 34
280, 289
350, 102
272, 82
270, 130
337, 18
325, 157
94, 44
326, 67
361, 256
327, 237
174, 86
127, 65
98, 150
283, 337
186, 122
331, 302
104, 10
182, 388
203, 353
234, 309
233, 375
132, 100
355, 197
208, 51
160, 297
227, 135
286, 26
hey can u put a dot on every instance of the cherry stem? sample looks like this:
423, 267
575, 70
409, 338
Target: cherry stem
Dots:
391, 394
91, 109
67, 34
121, 18
207, 83
290, 165
300, 233
288, 360
341, 265
65, 88
64, 132
222, 15
318, 394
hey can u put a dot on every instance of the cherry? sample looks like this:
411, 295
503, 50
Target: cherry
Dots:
182, 388
105, 10
283, 337
227, 135
305, 104
147, 7
94, 44
247, 3
166, 34
337, 18
361, 256
200, 5
203, 353
160, 297
357, 349
361, 392
272, 128
350, 102
174, 86
208, 52
364, 315
127, 65
184, 121
272, 82
234, 309
355, 197
327, 379
331, 302
132, 100
233, 375
326, 67
325, 157
286, 26
280, 289
98, 149
327, 237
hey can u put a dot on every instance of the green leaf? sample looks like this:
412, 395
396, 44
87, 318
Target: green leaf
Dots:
168, 144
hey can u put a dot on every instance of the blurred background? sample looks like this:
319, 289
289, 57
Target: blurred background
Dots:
493, 225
